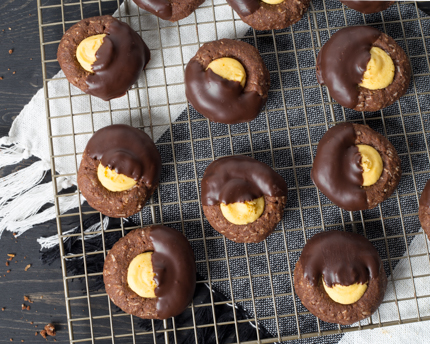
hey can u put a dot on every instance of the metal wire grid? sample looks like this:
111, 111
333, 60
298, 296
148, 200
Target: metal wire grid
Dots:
99, 322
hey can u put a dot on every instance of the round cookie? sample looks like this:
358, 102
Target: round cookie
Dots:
119, 60
338, 169
218, 98
344, 60
366, 6
173, 268
342, 264
125, 154
270, 14
169, 10
424, 209
231, 187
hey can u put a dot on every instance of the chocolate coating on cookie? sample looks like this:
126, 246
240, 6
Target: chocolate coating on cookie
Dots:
337, 172
239, 179
174, 266
340, 258
343, 60
264, 16
169, 10
175, 271
366, 6
126, 150
223, 100
120, 59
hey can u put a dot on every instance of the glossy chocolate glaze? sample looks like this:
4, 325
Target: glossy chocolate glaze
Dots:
337, 171
343, 60
367, 6
219, 99
425, 196
160, 8
120, 59
244, 7
127, 150
239, 179
341, 258
175, 271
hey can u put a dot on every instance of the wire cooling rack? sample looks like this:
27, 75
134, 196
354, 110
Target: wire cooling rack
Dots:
303, 112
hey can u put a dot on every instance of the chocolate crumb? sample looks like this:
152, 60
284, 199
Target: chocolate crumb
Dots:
27, 267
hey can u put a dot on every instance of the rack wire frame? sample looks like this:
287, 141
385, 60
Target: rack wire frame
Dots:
90, 299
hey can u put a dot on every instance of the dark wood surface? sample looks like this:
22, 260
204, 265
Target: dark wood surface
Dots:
21, 74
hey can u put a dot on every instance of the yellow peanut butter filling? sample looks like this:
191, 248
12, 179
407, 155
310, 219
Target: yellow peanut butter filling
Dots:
380, 70
345, 295
229, 68
243, 213
140, 275
87, 49
114, 181
371, 163
272, 2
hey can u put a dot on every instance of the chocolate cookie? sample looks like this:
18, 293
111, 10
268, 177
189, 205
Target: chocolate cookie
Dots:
339, 258
173, 265
242, 179
120, 59
169, 10
342, 61
337, 171
366, 6
265, 16
127, 151
424, 209
223, 100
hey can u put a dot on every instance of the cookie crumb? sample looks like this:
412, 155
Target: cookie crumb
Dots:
36, 333
8, 271
43, 333
50, 330
27, 298
10, 51
1, 78
7, 263
14, 72
3, 309
27, 267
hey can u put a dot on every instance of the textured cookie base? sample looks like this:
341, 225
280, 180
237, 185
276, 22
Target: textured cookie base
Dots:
112, 204
257, 75
316, 300
392, 171
276, 17
115, 274
424, 216
253, 232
